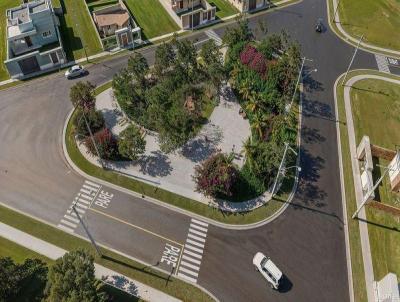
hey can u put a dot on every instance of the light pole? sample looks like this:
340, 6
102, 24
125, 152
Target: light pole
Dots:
336, 10
92, 138
281, 169
297, 83
352, 59
87, 231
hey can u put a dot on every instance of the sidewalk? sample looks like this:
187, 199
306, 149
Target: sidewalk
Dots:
108, 276
365, 245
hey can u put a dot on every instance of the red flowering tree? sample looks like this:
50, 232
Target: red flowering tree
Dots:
216, 176
254, 59
105, 142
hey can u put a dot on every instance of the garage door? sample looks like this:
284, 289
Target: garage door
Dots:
252, 4
29, 65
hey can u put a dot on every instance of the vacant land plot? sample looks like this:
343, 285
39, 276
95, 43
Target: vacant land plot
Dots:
378, 20
77, 31
224, 8
4, 5
151, 17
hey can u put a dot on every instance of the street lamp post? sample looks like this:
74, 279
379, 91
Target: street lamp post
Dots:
297, 83
92, 139
352, 59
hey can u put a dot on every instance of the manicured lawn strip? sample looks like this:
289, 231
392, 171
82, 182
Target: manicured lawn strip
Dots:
376, 102
174, 199
151, 17
111, 260
19, 253
224, 8
378, 20
77, 30
4, 5
94, 5
378, 236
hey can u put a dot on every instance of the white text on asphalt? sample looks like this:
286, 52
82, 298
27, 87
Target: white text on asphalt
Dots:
104, 198
170, 255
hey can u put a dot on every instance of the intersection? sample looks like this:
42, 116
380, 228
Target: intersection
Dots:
306, 241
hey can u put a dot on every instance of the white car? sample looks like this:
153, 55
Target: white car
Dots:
268, 269
75, 71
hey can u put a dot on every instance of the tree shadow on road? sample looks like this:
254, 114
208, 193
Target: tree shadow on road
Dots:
311, 135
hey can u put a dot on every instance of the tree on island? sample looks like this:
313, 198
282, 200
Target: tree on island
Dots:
131, 143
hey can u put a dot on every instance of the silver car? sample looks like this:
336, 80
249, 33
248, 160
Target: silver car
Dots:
75, 71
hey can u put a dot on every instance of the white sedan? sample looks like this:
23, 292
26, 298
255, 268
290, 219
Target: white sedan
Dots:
75, 71
268, 269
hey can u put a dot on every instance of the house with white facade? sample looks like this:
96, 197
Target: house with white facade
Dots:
249, 5
193, 13
33, 39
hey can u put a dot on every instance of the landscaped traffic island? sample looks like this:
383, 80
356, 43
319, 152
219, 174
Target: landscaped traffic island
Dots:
210, 125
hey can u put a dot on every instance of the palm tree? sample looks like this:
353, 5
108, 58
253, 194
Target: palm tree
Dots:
258, 123
254, 103
245, 89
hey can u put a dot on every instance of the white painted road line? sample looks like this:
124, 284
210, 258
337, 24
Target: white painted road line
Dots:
188, 271
187, 278
198, 227
185, 251
193, 248
81, 205
92, 184
87, 197
195, 267
199, 222
84, 201
197, 233
382, 63
213, 35
85, 191
67, 229
191, 259
70, 224
195, 243
196, 238
71, 218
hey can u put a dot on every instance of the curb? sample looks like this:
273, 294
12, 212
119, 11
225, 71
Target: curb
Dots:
249, 226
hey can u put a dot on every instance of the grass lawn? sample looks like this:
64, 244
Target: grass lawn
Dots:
378, 20
151, 17
77, 30
4, 5
111, 260
383, 240
19, 254
224, 8
98, 4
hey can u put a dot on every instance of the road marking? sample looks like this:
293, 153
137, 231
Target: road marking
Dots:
135, 226
171, 255
191, 259
382, 62
194, 248
187, 278
213, 35
82, 200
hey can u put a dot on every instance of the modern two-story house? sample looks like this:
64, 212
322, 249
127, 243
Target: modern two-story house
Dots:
193, 13
249, 5
33, 39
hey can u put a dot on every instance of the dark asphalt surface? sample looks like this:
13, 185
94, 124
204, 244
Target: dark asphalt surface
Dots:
306, 242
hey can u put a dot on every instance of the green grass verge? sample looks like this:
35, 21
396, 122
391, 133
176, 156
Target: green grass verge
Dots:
4, 5
19, 254
224, 8
94, 5
111, 260
380, 237
171, 198
78, 33
151, 17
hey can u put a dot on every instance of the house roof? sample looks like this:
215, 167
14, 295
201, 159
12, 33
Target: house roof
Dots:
119, 18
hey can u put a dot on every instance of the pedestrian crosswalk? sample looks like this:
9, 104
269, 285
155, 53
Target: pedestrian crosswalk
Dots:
82, 201
190, 262
382, 62
213, 35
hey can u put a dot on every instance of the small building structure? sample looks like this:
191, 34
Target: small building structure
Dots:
394, 173
249, 5
193, 13
387, 289
33, 39
115, 22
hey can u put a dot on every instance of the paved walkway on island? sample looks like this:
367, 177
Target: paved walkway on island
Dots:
111, 277
365, 245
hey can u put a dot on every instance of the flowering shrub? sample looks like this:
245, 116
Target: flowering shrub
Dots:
105, 142
216, 176
254, 59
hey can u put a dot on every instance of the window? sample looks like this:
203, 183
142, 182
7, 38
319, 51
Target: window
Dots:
46, 34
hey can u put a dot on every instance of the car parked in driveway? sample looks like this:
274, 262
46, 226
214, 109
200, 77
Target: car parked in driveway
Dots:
75, 71
268, 269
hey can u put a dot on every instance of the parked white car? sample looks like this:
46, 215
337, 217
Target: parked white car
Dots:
75, 71
268, 269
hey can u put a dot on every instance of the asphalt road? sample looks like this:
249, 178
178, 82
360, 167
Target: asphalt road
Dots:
306, 242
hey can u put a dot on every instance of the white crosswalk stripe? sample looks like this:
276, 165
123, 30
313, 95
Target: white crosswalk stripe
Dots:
82, 201
382, 62
213, 35
189, 266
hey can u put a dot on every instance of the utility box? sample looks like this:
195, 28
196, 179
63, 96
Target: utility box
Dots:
394, 173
